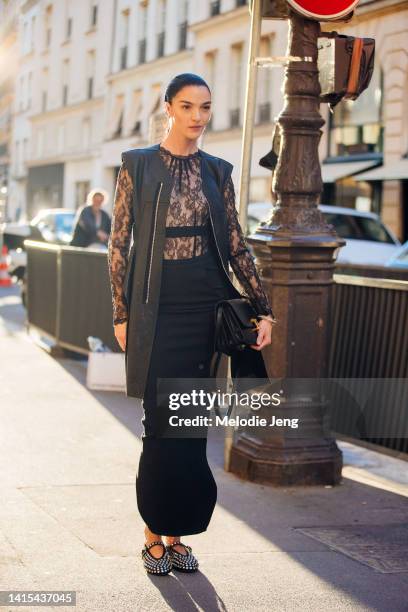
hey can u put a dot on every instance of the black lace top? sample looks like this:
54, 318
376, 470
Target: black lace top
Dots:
188, 207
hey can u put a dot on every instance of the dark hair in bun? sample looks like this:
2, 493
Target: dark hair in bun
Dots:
180, 81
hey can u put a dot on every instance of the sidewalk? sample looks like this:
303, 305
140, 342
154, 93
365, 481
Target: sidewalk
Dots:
69, 520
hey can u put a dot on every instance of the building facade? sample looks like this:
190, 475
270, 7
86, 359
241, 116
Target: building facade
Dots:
365, 144
91, 79
8, 68
64, 57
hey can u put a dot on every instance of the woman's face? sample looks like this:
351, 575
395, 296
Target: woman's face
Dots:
190, 111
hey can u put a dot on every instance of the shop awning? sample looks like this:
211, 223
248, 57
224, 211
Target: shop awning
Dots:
333, 172
389, 172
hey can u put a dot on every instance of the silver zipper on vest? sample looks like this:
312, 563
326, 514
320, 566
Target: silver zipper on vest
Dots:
219, 253
152, 247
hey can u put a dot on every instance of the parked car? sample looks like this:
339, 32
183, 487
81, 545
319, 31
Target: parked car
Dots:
53, 225
368, 239
400, 258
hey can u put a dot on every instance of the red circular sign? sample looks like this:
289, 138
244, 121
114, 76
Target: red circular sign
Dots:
322, 9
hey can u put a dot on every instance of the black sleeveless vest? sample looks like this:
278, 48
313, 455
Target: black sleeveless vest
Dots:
153, 184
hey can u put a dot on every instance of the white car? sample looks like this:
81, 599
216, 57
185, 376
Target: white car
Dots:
53, 225
368, 240
400, 258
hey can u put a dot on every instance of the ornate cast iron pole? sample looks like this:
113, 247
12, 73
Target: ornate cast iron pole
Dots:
295, 254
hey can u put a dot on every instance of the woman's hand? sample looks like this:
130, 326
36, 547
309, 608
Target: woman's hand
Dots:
103, 236
264, 335
120, 334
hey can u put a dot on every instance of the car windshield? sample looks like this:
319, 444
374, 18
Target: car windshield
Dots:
64, 223
358, 227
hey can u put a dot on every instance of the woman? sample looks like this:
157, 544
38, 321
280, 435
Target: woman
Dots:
177, 277
92, 224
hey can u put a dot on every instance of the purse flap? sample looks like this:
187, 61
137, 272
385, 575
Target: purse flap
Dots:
242, 309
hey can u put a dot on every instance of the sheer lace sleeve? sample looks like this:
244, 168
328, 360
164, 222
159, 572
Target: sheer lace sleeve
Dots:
119, 241
242, 261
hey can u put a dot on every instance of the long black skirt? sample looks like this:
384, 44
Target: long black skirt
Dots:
175, 489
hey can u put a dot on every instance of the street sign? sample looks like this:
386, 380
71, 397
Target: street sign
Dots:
322, 10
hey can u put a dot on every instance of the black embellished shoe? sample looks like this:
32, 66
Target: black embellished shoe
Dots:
153, 565
180, 561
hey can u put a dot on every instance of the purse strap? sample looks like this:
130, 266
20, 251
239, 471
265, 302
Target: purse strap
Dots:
215, 362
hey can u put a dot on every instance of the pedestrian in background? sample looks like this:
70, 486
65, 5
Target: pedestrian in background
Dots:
92, 224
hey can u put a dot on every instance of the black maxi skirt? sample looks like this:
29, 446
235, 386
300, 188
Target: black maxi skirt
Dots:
175, 489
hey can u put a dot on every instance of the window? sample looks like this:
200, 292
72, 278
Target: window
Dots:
124, 34
264, 92
236, 84
21, 93
210, 67
182, 26
86, 133
65, 81
32, 38
215, 8
157, 117
44, 90
94, 14
135, 115
68, 32
356, 127
116, 125
40, 142
61, 138
358, 227
47, 27
82, 188
25, 150
142, 29
24, 45
161, 25
29, 88
90, 73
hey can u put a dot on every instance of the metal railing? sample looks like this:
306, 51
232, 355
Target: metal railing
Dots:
69, 299
369, 340
68, 295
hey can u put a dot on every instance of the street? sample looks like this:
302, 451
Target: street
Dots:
69, 521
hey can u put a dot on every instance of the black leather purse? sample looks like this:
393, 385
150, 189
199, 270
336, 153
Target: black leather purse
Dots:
236, 327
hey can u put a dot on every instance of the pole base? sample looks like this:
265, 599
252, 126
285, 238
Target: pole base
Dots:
300, 462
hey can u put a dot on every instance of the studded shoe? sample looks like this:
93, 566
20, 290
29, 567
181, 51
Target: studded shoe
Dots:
180, 561
159, 566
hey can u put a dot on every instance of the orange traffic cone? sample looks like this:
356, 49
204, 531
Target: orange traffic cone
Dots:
5, 278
